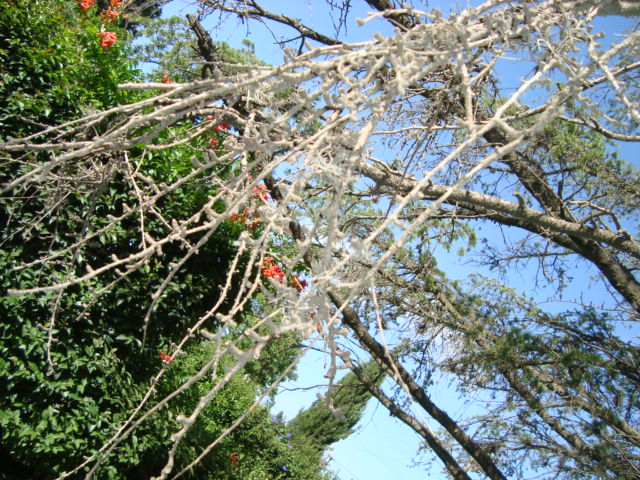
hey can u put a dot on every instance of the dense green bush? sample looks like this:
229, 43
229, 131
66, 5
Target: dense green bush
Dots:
52, 67
64, 392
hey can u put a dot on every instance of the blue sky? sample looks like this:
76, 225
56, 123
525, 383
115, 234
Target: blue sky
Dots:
382, 448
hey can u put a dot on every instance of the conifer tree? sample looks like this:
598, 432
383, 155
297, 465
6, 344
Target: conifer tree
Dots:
323, 427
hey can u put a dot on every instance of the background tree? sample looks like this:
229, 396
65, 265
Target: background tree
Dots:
321, 427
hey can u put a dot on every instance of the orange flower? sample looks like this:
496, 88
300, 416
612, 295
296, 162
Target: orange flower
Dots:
166, 78
85, 4
107, 39
108, 16
270, 270
165, 358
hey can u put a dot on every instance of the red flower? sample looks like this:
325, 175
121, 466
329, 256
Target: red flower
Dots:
270, 270
273, 271
115, 3
234, 459
85, 4
222, 126
165, 358
239, 218
107, 39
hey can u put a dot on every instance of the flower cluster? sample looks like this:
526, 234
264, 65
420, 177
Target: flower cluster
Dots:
106, 16
286, 436
271, 270
242, 218
107, 39
260, 195
221, 127
235, 461
165, 358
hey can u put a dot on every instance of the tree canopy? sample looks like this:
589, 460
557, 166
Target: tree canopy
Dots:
227, 216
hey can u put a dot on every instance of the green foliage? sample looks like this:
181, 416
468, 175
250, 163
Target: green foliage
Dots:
588, 166
63, 396
259, 448
168, 46
54, 412
46, 77
571, 368
319, 427
140, 9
